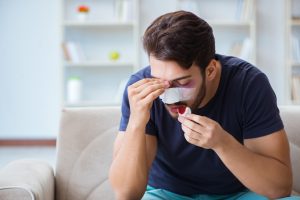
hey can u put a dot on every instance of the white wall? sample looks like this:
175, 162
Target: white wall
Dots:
30, 74
30, 80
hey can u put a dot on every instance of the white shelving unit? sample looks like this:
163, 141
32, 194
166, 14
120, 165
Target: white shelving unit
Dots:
233, 23
98, 64
293, 51
111, 27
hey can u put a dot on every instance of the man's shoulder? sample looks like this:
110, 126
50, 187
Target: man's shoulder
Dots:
142, 73
235, 62
239, 68
139, 75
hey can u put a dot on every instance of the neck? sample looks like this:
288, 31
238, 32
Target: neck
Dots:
212, 86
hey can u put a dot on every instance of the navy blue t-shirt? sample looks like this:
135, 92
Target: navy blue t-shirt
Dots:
244, 105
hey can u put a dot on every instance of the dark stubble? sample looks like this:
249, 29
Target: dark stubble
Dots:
201, 93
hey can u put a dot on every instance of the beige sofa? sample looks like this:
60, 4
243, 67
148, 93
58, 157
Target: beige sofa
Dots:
84, 151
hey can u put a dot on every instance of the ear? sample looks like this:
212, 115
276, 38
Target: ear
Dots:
211, 70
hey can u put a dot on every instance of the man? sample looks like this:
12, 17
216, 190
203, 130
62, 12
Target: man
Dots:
232, 146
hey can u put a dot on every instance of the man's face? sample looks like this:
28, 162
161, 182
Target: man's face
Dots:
179, 77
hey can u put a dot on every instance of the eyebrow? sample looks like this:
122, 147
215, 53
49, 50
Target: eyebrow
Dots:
177, 79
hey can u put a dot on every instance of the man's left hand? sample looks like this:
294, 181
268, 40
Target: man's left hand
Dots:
202, 131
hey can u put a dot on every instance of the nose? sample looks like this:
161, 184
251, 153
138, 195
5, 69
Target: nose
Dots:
167, 84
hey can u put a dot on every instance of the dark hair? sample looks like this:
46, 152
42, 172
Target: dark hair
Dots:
182, 37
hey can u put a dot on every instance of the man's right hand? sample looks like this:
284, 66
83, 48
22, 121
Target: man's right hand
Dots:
135, 142
141, 96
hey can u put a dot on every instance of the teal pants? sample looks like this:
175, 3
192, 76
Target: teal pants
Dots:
160, 194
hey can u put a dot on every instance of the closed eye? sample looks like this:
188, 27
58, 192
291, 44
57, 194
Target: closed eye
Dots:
187, 84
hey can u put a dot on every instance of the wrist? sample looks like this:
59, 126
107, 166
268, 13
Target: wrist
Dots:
225, 143
136, 125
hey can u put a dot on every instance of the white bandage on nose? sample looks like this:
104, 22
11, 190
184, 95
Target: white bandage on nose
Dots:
174, 95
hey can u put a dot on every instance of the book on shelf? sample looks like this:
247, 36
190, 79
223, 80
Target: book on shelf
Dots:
241, 49
295, 49
124, 10
244, 10
73, 52
295, 11
296, 89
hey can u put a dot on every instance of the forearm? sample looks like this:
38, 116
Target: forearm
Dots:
129, 171
261, 174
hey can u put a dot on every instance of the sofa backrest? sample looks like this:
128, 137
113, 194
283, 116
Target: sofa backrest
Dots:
84, 152
291, 118
85, 144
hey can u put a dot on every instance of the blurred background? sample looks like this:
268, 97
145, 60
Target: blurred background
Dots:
73, 53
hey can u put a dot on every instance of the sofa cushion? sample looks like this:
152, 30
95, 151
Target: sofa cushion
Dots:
13, 193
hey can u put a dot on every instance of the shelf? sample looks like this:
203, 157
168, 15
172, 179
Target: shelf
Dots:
89, 44
230, 23
91, 104
99, 24
98, 64
295, 103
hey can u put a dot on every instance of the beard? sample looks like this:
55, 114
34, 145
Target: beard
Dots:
199, 98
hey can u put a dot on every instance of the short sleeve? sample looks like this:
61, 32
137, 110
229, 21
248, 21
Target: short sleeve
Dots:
125, 107
125, 111
260, 112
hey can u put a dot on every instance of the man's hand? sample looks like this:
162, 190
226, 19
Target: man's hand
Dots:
202, 131
141, 96
263, 165
135, 142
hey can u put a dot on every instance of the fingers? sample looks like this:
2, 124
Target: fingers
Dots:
153, 95
201, 120
141, 95
202, 131
140, 82
141, 85
145, 91
144, 87
190, 140
191, 124
190, 133
151, 87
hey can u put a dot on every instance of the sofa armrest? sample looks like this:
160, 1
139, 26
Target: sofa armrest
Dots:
27, 179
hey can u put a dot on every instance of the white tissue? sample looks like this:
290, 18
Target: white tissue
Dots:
173, 95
